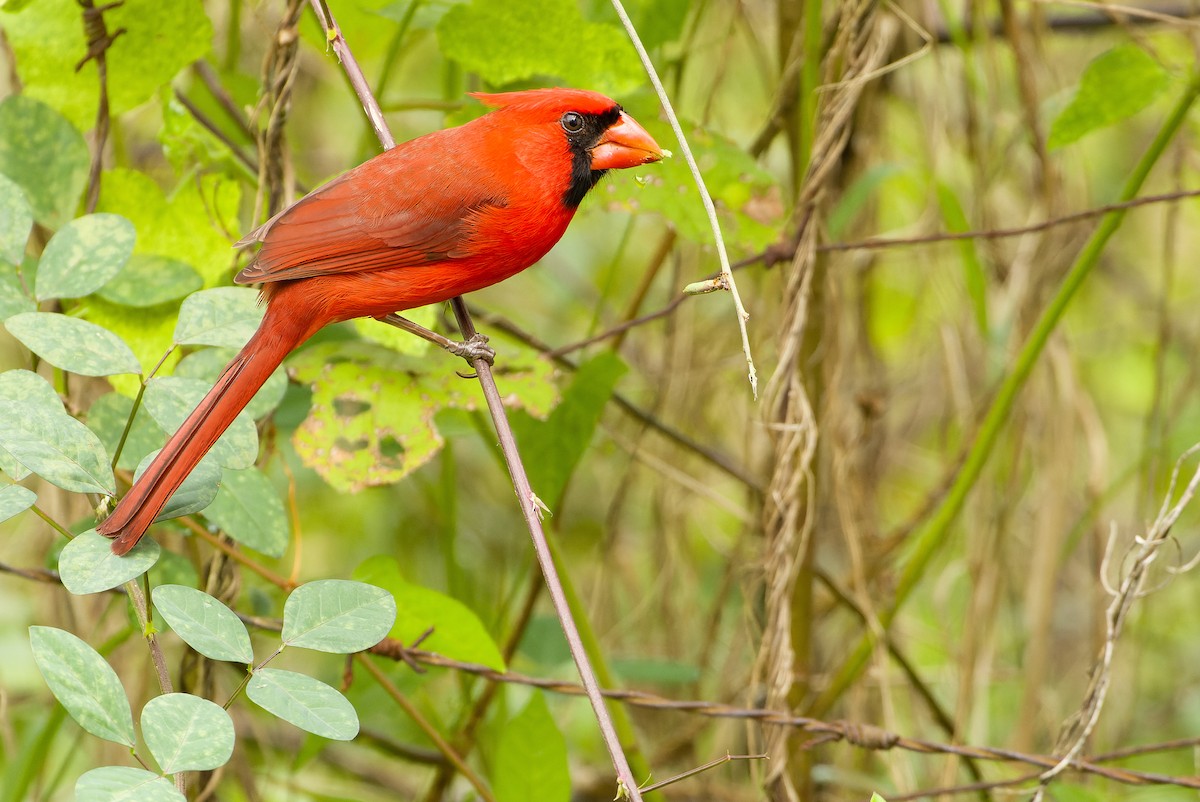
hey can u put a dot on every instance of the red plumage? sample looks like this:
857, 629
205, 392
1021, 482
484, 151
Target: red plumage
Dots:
439, 216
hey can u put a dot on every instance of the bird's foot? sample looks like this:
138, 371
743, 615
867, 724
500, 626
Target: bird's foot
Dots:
475, 348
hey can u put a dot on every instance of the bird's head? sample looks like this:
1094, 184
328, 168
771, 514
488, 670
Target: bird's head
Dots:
598, 135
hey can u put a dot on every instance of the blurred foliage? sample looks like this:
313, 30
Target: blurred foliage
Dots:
367, 457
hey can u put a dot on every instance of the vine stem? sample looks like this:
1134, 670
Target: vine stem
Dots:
726, 278
627, 787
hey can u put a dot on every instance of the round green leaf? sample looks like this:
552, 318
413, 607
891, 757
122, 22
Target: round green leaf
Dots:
224, 316
14, 500
43, 153
125, 784
151, 280
72, 344
249, 510
337, 615
187, 733
88, 565
305, 702
84, 683
43, 438
204, 623
197, 491
172, 398
16, 221
83, 256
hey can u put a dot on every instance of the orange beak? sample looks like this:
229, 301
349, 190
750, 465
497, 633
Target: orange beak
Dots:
625, 144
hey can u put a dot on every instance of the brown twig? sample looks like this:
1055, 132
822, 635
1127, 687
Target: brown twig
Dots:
99, 40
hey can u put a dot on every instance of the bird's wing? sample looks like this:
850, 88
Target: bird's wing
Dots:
410, 206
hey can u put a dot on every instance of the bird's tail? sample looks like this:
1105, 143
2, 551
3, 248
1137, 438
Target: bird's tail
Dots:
241, 379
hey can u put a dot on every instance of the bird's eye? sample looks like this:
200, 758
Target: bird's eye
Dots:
572, 122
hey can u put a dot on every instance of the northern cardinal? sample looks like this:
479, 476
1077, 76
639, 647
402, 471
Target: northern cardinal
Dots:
441, 215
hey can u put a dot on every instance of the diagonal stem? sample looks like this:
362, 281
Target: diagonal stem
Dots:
626, 784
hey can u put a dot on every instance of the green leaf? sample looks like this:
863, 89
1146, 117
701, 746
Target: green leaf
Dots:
249, 510
877, 798
107, 416
195, 494
170, 399
83, 683
1115, 86
87, 564
187, 733
305, 702
224, 316
151, 280
159, 40
372, 418
125, 784
505, 42
25, 386
13, 298
73, 344
209, 363
552, 448
55, 446
40, 151
337, 615
14, 500
531, 758
16, 221
457, 631
204, 623
83, 256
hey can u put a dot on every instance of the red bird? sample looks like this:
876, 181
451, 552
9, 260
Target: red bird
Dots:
441, 215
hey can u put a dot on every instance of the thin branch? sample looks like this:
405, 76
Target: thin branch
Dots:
726, 280
99, 40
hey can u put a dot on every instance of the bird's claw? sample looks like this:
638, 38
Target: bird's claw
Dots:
473, 349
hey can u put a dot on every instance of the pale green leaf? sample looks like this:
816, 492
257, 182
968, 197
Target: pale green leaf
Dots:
305, 702
171, 399
83, 683
204, 623
14, 500
125, 784
151, 280
24, 385
223, 316
72, 344
13, 298
55, 446
337, 615
187, 733
16, 221
87, 564
83, 256
457, 631
1115, 86
531, 758
249, 510
41, 152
